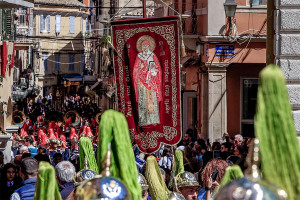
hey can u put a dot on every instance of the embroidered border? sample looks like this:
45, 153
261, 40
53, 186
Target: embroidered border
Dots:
149, 139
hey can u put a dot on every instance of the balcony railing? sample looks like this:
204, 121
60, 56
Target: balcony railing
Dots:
22, 33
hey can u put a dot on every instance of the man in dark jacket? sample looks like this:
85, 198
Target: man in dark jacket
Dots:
28, 173
65, 173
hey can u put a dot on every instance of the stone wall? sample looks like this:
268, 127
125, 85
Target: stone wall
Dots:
287, 49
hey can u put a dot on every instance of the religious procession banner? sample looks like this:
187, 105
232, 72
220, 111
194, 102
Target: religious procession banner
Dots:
146, 61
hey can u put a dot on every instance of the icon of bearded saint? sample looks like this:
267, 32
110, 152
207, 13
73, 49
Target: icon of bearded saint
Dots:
147, 82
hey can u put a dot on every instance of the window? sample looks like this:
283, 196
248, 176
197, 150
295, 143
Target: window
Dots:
71, 62
45, 23
57, 62
22, 16
249, 94
82, 25
72, 24
57, 23
45, 61
87, 25
82, 63
189, 110
22, 20
258, 2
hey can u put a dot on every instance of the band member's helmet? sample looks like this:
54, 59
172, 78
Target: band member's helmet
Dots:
101, 189
186, 179
176, 196
143, 182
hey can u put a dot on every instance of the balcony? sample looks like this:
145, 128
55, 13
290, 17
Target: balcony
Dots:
22, 32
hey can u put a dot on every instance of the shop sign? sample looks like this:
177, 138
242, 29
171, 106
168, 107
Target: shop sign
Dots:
224, 51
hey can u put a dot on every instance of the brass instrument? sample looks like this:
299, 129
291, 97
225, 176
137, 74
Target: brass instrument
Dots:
86, 100
98, 118
74, 116
18, 118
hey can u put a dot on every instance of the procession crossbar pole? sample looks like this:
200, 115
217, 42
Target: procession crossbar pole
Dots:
144, 9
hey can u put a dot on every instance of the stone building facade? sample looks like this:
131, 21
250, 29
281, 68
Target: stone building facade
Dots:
287, 50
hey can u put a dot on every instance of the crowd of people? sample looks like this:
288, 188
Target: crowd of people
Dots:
57, 143
200, 160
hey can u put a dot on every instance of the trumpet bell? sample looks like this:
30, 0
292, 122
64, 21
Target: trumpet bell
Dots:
18, 118
98, 118
76, 119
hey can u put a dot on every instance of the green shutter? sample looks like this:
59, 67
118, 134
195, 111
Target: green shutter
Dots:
8, 24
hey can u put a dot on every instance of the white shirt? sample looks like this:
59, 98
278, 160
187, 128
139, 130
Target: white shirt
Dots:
165, 162
15, 196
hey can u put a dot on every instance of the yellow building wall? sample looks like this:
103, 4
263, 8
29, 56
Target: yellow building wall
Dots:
5, 93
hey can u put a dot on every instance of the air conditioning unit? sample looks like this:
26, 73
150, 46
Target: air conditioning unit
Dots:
22, 81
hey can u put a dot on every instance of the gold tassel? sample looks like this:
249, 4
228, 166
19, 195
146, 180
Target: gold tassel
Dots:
182, 49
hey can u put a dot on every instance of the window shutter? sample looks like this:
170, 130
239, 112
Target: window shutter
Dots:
42, 23
81, 28
48, 21
86, 25
72, 24
57, 23
45, 62
82, 63
71, 62
57, 64
46, 65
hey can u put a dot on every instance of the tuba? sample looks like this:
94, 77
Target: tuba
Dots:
18, 118
74, 116
98, 118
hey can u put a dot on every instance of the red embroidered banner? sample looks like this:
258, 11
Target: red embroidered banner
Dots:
146, 63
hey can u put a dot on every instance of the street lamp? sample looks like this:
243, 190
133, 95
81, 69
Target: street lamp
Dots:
230, 8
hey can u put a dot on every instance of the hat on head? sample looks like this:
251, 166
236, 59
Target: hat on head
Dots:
186, 179
44, 139
23, 133
89, 132
52, 137
143, 182
73, 135
46, 184
114, 133
40, 119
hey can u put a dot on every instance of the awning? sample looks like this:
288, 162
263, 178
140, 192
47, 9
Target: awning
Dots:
74, 79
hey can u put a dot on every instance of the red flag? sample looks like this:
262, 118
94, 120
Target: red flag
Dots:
4, 58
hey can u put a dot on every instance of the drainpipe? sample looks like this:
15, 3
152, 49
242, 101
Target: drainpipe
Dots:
270, 32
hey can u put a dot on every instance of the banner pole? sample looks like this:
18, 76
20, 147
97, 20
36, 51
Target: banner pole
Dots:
144, 9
